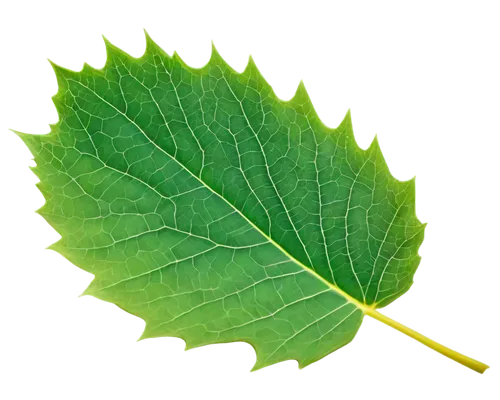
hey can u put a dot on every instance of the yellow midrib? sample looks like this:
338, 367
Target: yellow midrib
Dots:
363, 307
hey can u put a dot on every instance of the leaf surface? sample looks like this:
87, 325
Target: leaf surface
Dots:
217, 212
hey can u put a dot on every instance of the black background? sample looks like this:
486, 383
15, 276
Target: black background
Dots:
409, 90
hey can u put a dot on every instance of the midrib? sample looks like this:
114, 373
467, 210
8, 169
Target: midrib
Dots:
363, 307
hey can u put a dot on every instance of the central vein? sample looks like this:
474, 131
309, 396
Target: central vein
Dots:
363, 307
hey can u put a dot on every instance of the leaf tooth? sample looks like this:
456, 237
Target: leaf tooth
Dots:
152, 46
374, 152
23, 135
57, 70
347, 118
146, 334
58, 246
258, 366
62, 74
212, 46
374, 145
105, 40
58, 101
112, 52
301, 96
345, 127
251, 71
42, 190
251, 67
57, 67
214, 55
33, 142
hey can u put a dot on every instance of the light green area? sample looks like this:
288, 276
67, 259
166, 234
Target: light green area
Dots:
210, 208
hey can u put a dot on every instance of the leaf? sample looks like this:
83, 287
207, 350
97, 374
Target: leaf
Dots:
217, 212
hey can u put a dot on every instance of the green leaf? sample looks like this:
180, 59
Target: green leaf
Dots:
217, 212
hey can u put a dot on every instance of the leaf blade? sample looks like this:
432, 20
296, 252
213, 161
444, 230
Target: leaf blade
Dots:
126, 143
